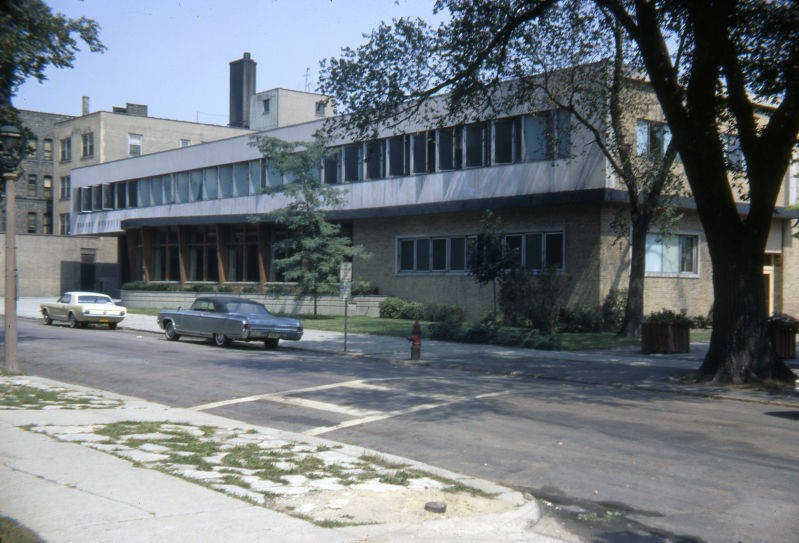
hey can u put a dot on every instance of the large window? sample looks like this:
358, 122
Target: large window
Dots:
243, 254
63, 224
547, 135
134, 144
652, 138
165, 259
441, 254
202, 263
677, 254
64, 190
477, 143
399, 155
507, 140
424, 152
32, 185
66, 150
352, 162
375, 159
87, 145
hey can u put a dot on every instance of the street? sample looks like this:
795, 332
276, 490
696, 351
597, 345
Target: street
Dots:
630, 464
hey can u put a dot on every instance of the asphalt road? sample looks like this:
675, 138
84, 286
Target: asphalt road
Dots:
619, 464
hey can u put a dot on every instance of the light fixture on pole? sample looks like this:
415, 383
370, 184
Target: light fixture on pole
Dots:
9, 158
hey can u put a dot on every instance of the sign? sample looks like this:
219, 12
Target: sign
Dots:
345, 272
345, 291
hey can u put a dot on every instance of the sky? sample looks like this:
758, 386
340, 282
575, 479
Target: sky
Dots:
174, 55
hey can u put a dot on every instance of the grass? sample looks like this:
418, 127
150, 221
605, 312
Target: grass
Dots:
13, 532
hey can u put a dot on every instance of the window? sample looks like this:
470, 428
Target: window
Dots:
32, 182
266, 104
450, 148
66, 150
47, 186
331, 168
87, 141
320, 108
652, 138
352, 162
97, 197
202, 264
165, 261
134, 144
476, 143
547, 135
63, 224
185, 143
375, 163
33, 146
65, 188
507, 140
47, 149
47, 223
31, 222
121, 190
734, 154
538, 250
436, 254
84, 203
108, 196
672, 254
243, 254
424, 152
399, 155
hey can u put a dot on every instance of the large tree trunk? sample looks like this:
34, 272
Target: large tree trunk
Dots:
634, 308
740, 348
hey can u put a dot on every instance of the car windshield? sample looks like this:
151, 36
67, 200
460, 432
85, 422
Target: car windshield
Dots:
249, 308
95, 300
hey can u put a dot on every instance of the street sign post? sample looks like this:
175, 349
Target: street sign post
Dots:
345, 293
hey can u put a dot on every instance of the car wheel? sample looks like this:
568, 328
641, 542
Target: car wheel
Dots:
220, 340
169, 331
112, 326
271, 343
47, 320
73, 322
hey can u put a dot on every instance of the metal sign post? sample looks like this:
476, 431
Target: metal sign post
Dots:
345, 292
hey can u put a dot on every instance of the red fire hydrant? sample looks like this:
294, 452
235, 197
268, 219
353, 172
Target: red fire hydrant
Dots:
416, 341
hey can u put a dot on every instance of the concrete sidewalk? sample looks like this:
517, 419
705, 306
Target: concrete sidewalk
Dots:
56, 482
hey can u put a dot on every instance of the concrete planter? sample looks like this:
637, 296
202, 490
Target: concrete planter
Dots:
784, 342
665, 338
368, 306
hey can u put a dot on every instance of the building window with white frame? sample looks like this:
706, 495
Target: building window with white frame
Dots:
47, 186
64, 192
63, 224
134, 144
652, 138
547, 135
185, 143
47, 149
87, 145
66, 149
672, 255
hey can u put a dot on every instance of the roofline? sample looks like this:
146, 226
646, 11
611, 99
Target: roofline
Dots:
102, 111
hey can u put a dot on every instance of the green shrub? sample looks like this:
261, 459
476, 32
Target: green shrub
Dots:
443, 312
580, 319
413, 311
534, 339
533, 298
667, 316
447, 330
485, 331
613, 309
363, 288
391, 308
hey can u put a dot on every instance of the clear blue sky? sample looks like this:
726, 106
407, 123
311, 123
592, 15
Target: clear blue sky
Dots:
173, 55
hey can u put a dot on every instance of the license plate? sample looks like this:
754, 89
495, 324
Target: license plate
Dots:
103, 320
273, 335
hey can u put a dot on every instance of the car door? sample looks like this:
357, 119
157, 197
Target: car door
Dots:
60, 307
191, 321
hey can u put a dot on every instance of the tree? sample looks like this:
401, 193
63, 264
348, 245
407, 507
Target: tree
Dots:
709, 64
33, 38
313, 247
488, 258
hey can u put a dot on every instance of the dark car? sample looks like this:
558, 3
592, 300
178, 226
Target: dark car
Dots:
227, 318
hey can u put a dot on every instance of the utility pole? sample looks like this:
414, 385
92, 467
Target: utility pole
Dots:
10, 140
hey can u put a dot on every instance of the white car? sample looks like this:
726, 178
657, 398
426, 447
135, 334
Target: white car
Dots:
82, 308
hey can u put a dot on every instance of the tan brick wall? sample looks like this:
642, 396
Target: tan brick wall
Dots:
579, 223
787, 271
49, 265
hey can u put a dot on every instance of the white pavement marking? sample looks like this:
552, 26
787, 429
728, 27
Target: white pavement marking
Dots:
399, 412
279, 396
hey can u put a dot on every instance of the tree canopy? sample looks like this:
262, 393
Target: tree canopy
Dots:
717, 69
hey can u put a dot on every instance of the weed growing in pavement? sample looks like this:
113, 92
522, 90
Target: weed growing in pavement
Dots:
378, 460
15, 395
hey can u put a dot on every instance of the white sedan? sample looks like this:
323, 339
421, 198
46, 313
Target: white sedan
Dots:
82, 308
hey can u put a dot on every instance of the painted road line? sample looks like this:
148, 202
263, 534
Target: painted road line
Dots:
358, 383
399, 412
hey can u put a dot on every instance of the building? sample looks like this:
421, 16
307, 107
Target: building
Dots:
104, 136
34, 185
414, 198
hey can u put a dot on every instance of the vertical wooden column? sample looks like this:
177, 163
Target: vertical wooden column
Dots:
132, 242
263, 252
222, 252
183, 254
147, 254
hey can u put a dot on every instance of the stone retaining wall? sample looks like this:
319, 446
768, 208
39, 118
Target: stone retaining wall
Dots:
326, 305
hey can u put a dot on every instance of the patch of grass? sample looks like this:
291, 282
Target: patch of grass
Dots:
377, 460
119, 429
399, 478
595, 340
143, 311
14, 532
19, 396
248, 457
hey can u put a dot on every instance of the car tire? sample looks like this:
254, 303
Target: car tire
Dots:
169, 331
220, 340
112, 326
271, 343
73, 322
46, 316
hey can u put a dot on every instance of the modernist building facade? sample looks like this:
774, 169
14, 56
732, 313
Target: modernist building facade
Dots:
414, 197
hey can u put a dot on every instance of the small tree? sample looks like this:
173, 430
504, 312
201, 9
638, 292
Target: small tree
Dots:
313, 247
488, 259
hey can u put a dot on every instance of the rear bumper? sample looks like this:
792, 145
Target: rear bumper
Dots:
260, 335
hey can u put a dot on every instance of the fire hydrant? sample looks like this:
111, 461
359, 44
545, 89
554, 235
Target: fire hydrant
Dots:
416, 341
